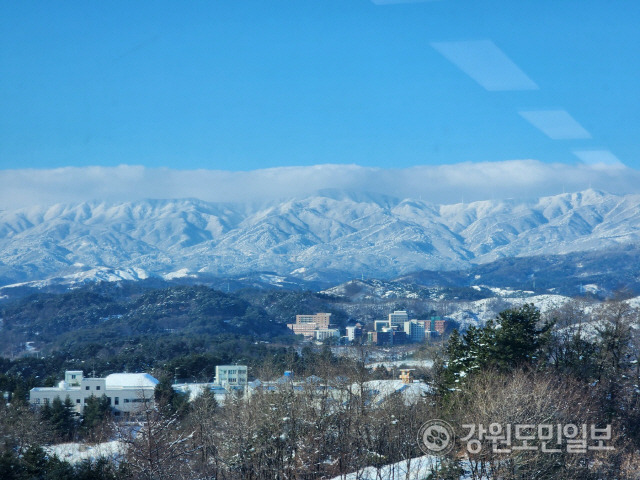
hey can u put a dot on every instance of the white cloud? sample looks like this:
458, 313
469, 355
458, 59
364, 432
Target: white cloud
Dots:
438, 184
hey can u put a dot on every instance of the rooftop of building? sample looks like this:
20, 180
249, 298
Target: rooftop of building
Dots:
130, 380
112, 382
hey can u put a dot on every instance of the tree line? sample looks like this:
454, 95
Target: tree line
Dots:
571, 366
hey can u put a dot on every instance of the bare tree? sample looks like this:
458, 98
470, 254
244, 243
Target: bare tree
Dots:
157, 447
22, 427
531, 399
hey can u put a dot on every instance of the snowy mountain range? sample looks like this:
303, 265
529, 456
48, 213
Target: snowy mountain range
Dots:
330, 235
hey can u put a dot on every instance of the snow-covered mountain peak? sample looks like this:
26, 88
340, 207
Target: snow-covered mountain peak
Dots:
335, 232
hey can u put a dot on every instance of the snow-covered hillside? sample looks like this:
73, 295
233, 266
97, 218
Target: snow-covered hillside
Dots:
479, 312
331, 235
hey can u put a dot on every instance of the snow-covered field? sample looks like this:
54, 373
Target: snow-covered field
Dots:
77, 452
381, 390
413, 469
398, 363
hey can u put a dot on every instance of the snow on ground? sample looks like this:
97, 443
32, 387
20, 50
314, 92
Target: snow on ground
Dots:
77, 452
413, 469
182, 273
479, 312
98, 274
418, 468
398, 363
508, 292
634, 302
381, 390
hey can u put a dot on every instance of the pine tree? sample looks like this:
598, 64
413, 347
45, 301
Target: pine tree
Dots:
96, 411
168, 400
514, 339
62, 418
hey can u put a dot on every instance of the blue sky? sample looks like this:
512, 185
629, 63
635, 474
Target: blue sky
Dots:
243, 85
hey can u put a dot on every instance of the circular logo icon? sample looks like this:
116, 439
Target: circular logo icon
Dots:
436, 437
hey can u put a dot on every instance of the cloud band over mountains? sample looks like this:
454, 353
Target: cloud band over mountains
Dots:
438, 184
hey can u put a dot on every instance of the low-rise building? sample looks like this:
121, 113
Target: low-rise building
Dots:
381, 338
380, 325
324, 333
231, 375
230, 379
438, 325
125, 391
305, 329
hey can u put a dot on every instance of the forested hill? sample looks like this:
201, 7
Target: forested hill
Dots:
110, 314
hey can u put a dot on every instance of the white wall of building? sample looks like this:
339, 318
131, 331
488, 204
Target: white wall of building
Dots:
127, 392
231, 375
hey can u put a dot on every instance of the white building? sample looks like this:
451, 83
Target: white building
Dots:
229, 379
194, 390
414, 330
354, 332
324, 333
231, 375
398, 318
126, 391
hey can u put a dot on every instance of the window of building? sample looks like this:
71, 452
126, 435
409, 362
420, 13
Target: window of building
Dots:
73, 377
87, 387
77, 400
98, 387
37, 400
126, 400
117, 401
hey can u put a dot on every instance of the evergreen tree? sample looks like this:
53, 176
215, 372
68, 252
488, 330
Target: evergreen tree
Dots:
514, 339
96, 411
57, 469
45, 412
34, 462
100, 469
168, 400
62, 418
10, 468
